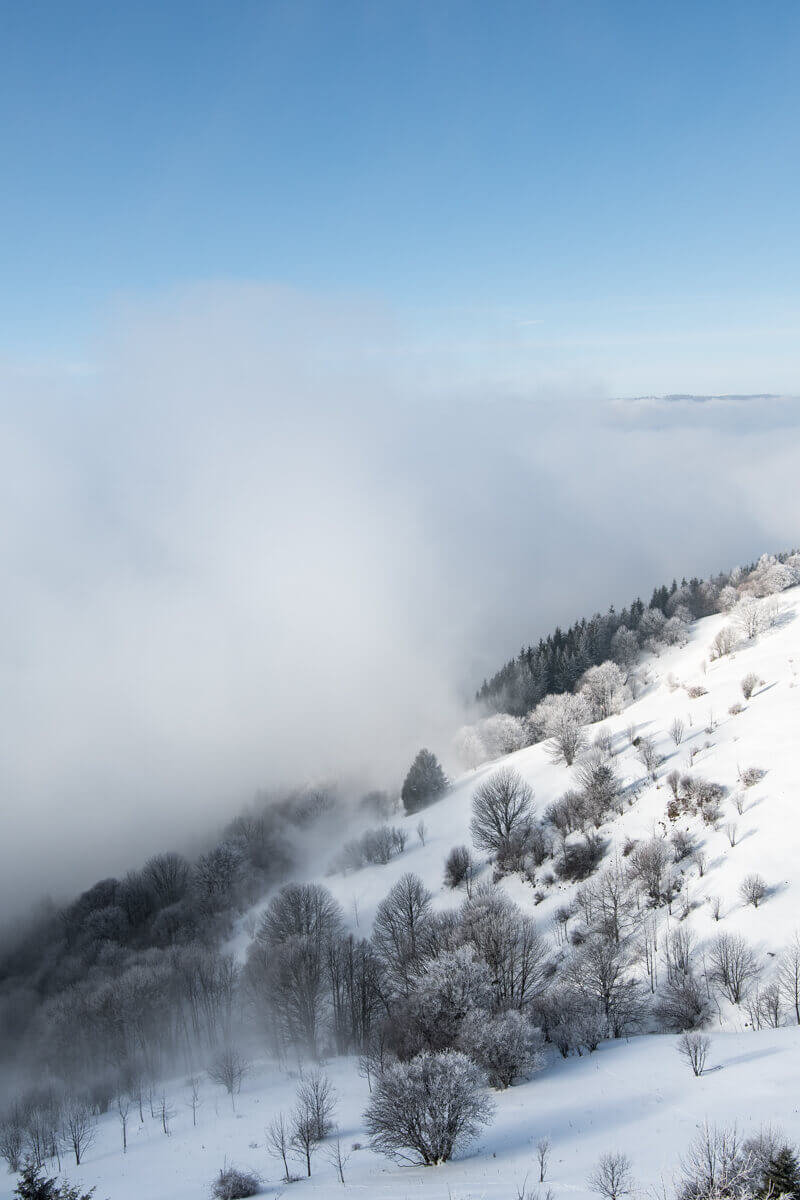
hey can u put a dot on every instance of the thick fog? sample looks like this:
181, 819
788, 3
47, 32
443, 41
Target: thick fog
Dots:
259, 539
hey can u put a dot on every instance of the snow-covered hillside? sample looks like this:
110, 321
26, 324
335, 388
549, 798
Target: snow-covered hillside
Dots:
633, 1095
716, 745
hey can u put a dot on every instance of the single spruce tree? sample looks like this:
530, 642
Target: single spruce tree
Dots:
33, 1184
424, 783
782, 1175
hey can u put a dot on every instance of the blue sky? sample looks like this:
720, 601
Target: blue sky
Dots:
582, 184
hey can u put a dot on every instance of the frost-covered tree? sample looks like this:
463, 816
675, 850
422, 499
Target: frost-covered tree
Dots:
424, 783
728, 598
445, 991
469, 747
500, 808
716, 1164
507, 1046
625, 647
651, 626
599, 784
168, 877
725, 642
503, 734
605, 691
423, 1110
749, 616
561, 718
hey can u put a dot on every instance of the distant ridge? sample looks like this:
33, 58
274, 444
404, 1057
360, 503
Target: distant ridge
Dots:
674, 397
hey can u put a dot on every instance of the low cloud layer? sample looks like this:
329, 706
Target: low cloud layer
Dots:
260, 542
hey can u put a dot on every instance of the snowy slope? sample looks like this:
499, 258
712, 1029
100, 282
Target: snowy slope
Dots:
637, 1095
766, 735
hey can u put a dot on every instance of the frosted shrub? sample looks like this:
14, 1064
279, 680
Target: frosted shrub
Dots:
234, 1184
457, 867
751, 776
724, 643
749, 684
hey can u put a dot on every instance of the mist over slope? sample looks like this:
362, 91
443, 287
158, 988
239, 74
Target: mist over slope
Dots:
260, 528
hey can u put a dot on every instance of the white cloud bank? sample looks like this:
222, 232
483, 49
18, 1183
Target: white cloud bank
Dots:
260, 544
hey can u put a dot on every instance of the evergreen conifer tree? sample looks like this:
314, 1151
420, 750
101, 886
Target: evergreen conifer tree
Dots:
424, 783
782, 1175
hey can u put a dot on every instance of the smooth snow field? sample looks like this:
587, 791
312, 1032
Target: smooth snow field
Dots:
637, 1095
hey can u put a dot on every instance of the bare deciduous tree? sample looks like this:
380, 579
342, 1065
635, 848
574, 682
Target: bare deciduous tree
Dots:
752, 889
401, 925
612, 1176
499, 807
677, 730
733, 965
338, 1159
229, 1069
789, 974
316, 1095
194, 1101
279, 1143
12, 1139
694, 1048
543, 1147
79, 1129
165, 1112
123, 1109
